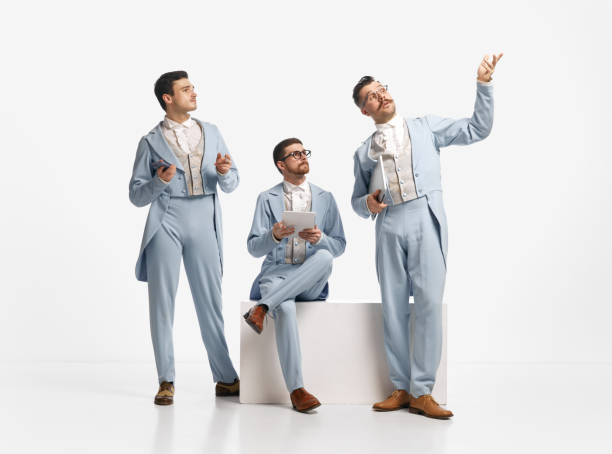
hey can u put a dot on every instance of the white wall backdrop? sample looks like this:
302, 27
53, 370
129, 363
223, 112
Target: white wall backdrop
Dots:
528, 208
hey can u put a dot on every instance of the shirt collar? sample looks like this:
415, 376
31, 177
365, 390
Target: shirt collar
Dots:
395, 122
290, 188
171, 124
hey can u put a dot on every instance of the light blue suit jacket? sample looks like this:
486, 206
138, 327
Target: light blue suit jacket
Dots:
427, 135
269, 210
146, 188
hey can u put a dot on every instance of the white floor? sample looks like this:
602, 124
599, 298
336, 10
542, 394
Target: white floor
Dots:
108, 408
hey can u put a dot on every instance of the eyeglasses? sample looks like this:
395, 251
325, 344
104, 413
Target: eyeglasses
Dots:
297, 155
375, 94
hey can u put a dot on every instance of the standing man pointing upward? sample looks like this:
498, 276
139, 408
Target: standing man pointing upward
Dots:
411, 231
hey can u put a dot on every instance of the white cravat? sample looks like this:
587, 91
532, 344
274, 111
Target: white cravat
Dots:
392, 134
186, 135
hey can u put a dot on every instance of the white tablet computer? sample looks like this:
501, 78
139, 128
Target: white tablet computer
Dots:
378, 180
300, 220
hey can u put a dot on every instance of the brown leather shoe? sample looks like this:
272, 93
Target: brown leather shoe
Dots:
228, 389
255, 317
399, 399
303, 401
427, 406
165, 395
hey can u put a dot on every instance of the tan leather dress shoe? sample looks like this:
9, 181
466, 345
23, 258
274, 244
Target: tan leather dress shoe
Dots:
255, 318
426, 405
303, 401
399, 399
165, 395
228, 389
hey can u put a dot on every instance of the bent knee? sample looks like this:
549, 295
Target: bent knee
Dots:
324, 256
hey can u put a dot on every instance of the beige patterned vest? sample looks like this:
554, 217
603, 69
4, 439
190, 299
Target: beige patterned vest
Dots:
398, 168
192, 163
295, 251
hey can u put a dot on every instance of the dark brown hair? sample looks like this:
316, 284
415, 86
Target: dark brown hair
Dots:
365, 80
279, 149
163, 86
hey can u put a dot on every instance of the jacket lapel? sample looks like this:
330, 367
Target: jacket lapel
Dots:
276, 200
317, 205
210, 145
161, 147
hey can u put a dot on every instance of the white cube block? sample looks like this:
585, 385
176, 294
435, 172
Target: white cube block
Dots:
343, 356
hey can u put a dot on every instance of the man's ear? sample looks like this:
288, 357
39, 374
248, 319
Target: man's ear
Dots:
167, 98
365, 112
280, 165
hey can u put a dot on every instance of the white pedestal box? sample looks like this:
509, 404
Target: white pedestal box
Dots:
343, 356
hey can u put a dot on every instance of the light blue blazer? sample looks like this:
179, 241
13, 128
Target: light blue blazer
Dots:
146, 188
269, 210
427, 135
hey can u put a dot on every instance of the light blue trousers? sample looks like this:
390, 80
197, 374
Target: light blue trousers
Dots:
187, 231
279, 287
409, 254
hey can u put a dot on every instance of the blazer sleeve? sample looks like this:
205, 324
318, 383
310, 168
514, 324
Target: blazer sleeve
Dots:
332, 233
360, 190
260, 241
145, 185
448, 131
230, 180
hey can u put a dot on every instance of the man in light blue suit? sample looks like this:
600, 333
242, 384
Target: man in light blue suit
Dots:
296, 267
178, 166
411, 232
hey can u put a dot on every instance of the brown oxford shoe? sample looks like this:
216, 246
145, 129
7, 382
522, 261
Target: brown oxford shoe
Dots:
303, 401
399, 399
228, 389
165, 395
427, 406
255, 317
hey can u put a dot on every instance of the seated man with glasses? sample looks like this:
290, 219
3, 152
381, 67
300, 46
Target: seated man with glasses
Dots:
297, 264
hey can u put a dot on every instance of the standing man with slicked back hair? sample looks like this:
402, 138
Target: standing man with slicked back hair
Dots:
411, 233
178, 166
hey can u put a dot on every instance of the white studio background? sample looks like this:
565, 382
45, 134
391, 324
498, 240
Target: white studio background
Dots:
528, 208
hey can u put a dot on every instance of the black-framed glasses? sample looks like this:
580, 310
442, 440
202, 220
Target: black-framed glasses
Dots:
377, 93
297, 155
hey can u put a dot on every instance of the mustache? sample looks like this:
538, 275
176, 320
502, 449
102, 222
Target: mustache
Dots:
382, 103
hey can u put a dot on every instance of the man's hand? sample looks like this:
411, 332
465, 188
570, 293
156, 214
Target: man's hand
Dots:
223, 164
486, 68
374, 205
166, 173
280, 231
311, 235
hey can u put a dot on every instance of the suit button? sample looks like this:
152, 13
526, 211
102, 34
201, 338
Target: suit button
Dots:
183, 191
403, 194
416, 175
399, 168
295, 260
